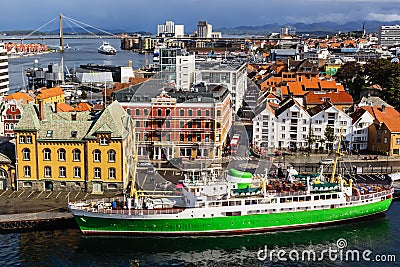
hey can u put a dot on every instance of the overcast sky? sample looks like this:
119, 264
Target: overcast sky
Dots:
144, 15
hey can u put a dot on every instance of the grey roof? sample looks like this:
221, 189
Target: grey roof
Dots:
4, 159
75, 126
373, 101
30, 120
113, 119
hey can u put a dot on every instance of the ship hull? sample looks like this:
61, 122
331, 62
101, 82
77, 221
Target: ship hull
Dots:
105, 224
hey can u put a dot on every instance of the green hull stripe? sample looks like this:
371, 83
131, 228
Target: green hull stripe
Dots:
95, 225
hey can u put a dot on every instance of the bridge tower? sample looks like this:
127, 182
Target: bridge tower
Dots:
61, 35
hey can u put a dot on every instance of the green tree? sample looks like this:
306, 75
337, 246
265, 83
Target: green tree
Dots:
351, 76
311, 139
329, 136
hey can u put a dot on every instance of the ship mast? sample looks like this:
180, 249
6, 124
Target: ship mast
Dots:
337, 154
61, 34
134, 193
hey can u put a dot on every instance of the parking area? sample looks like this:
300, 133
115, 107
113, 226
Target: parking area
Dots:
25, 201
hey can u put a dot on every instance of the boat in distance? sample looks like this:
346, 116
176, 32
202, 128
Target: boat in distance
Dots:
107, 49
235, 205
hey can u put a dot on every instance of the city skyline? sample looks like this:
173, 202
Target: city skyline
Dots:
145, 15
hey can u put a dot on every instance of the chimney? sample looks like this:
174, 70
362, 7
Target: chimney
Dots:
55, 107
41, 111
383, 108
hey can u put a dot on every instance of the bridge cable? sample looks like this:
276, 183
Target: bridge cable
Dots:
77, 21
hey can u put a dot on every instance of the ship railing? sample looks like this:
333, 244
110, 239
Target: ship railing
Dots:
371, 196
139, 211
286, 194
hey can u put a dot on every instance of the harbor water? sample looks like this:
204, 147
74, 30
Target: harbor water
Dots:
80, 51
377, 235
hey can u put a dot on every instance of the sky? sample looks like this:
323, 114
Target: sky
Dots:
144, 15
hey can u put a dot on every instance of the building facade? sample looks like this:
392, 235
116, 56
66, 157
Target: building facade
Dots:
4, 77
76, 151
169, 29
179, 124
389, 35
233, 76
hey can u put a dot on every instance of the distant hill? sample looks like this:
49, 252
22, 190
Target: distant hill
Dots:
71, 31
318, 28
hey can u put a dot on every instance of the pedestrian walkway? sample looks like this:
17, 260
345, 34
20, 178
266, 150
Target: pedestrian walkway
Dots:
241, 158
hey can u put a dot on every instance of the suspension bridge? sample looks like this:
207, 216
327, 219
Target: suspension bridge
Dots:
91, 32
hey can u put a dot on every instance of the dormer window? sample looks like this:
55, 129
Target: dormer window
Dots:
73, 134
104, 141
49, 133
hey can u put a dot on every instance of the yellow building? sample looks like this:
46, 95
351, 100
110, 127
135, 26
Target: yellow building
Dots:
50, 95
7, 173
74, 150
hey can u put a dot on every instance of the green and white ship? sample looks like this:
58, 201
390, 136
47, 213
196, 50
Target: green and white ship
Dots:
235, 205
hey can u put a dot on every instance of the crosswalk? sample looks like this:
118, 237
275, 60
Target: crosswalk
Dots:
241, 158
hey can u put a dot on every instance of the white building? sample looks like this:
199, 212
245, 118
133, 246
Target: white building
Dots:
169, 29
362, 119
289, 125
177, 66
234, 76
325, 115
389, 35
4, 78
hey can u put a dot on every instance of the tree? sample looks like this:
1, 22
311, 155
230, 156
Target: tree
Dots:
329, 136
84, 95
311, 139
351, 76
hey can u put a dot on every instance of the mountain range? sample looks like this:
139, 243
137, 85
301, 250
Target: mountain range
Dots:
317, 28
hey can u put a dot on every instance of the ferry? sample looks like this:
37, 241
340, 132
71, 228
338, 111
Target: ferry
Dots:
107, 49
235, 205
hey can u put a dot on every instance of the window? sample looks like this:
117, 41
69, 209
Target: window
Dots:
62, 172
167, 124
397, 141
103, 141
145, 111
182, 112
27, 184
396, 151
111, 173
96, 155
137, 123
207, 113
385, 140
22, 139
97, 173
111, 155
73, 134
182, 137
199, 112
61, 154
77, 172
47, 171
182, 124
46, 154
27, 171
28, 139
49, 133
219, 113
76, 154
167, 112
190, 113
159, 112
137, 111
26, 154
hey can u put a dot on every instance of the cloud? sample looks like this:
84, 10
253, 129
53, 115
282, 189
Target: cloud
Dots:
383, 17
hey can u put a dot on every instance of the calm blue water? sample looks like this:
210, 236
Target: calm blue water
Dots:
81, 52
69, 248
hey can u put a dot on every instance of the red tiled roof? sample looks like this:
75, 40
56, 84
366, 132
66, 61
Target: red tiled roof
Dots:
51, 92
341, 97
83, 106
19, 95
63, 107
391, 117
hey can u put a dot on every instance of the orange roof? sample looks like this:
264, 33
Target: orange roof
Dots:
391, 117
316, 98
134, 81
51, 92
83, 106
19, 95
64, 107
